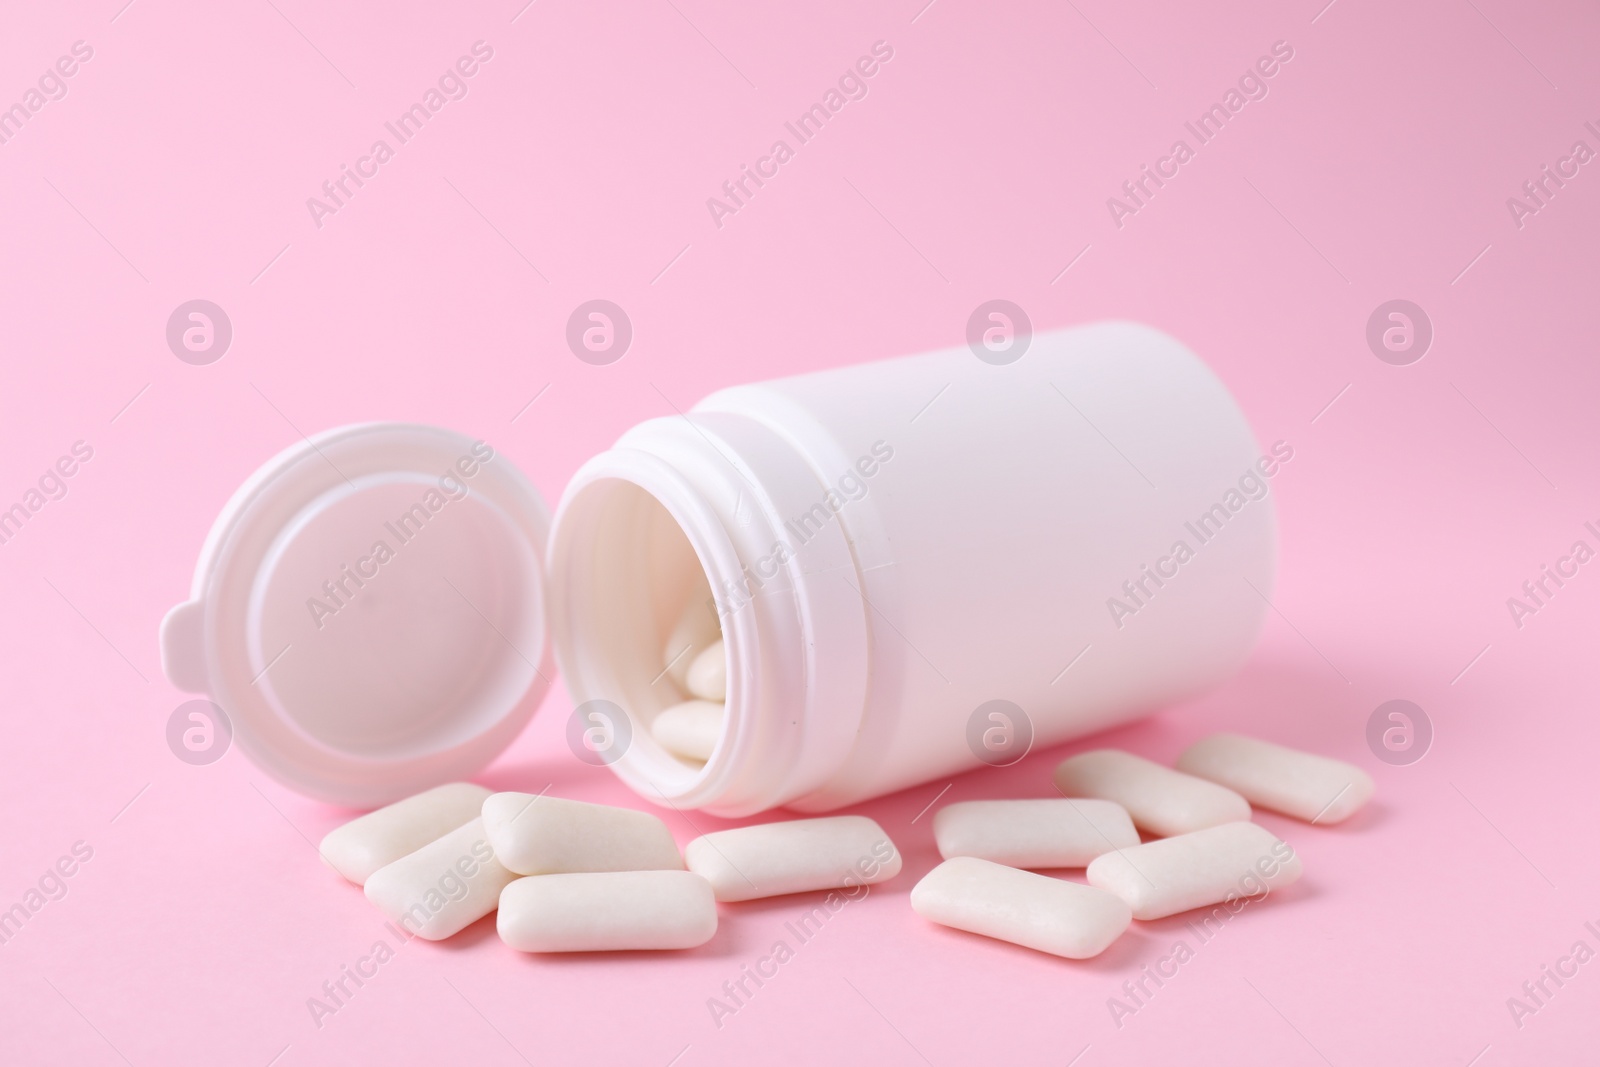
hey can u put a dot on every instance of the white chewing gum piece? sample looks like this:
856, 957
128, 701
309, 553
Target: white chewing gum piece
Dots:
607, 912
1286, 780
1032, 910
547, 835
378, 838
708, 674
1161, 800
842, 851
690, 729
1052, 832
1221, 863
695, 629
442, 887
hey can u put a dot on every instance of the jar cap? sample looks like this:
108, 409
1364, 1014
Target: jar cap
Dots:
369, 612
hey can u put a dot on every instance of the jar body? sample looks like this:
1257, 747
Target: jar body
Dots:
1084, 535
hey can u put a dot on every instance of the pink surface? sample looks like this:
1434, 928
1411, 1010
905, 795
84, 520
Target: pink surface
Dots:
178, 164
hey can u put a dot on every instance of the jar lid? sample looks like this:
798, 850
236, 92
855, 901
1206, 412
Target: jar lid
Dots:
368, 611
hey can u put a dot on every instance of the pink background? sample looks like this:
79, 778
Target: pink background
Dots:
178, 166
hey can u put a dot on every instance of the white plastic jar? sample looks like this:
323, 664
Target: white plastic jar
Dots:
917, 565
891, 547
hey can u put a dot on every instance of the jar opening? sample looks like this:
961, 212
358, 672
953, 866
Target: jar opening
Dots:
634, 604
